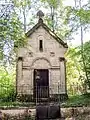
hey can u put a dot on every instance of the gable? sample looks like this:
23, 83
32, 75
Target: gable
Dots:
41, 24
49, 43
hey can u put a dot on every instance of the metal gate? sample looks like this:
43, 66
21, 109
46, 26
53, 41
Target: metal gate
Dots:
41, 84
45, 108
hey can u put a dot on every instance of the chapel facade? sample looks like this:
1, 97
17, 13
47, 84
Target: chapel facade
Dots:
41, 64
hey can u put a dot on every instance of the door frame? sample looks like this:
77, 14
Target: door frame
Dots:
34, 82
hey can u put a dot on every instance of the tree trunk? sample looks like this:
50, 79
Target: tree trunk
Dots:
52, 17
24, 15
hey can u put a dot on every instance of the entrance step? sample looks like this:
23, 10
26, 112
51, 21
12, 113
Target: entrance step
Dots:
44, 112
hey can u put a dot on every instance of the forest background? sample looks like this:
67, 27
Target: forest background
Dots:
67, 21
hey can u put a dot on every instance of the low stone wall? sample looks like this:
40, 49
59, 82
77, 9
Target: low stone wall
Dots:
17, 114
73, 113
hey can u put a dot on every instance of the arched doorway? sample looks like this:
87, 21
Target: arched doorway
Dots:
41, 73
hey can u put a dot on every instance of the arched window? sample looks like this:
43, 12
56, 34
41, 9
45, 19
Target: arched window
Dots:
41, 45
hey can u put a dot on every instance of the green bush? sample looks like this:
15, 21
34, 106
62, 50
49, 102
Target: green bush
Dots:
77, 101
7, 88
7, 93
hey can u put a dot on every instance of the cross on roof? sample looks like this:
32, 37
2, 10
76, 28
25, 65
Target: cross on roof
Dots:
40, 14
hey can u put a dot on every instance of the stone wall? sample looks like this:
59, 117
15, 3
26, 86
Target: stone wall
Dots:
75, 113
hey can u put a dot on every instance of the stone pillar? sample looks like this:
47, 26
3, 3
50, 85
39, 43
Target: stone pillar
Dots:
19, 75
63, 84
62, 75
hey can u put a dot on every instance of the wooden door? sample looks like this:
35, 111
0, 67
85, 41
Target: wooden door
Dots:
41, 83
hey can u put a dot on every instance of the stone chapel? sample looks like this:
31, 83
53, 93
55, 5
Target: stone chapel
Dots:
41, 65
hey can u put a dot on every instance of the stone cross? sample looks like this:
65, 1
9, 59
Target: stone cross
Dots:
40, 14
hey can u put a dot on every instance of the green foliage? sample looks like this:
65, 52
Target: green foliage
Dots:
13, 104
12, 36
73, 66
11, 30
22, 3
77, 16
68, 11
87, 62
86, 54
77, 101
83, 15
86, 57
53, 3
23, 7
17, 34
75, 72
7, 88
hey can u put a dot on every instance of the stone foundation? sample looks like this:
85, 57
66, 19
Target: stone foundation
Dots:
25, 98
52, 98
58, 97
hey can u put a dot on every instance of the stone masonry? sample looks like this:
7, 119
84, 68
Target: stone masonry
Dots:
52, 58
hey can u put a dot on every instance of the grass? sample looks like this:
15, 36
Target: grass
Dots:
73, 101
77, 101
16, 104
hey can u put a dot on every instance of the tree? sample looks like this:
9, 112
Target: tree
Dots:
56, 16
79, 20
23, 7
11, 32
53, 4
75, 71
86, 55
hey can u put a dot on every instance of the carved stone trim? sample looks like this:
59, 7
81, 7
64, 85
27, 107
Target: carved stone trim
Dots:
55, 67
26, 68
40, 58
